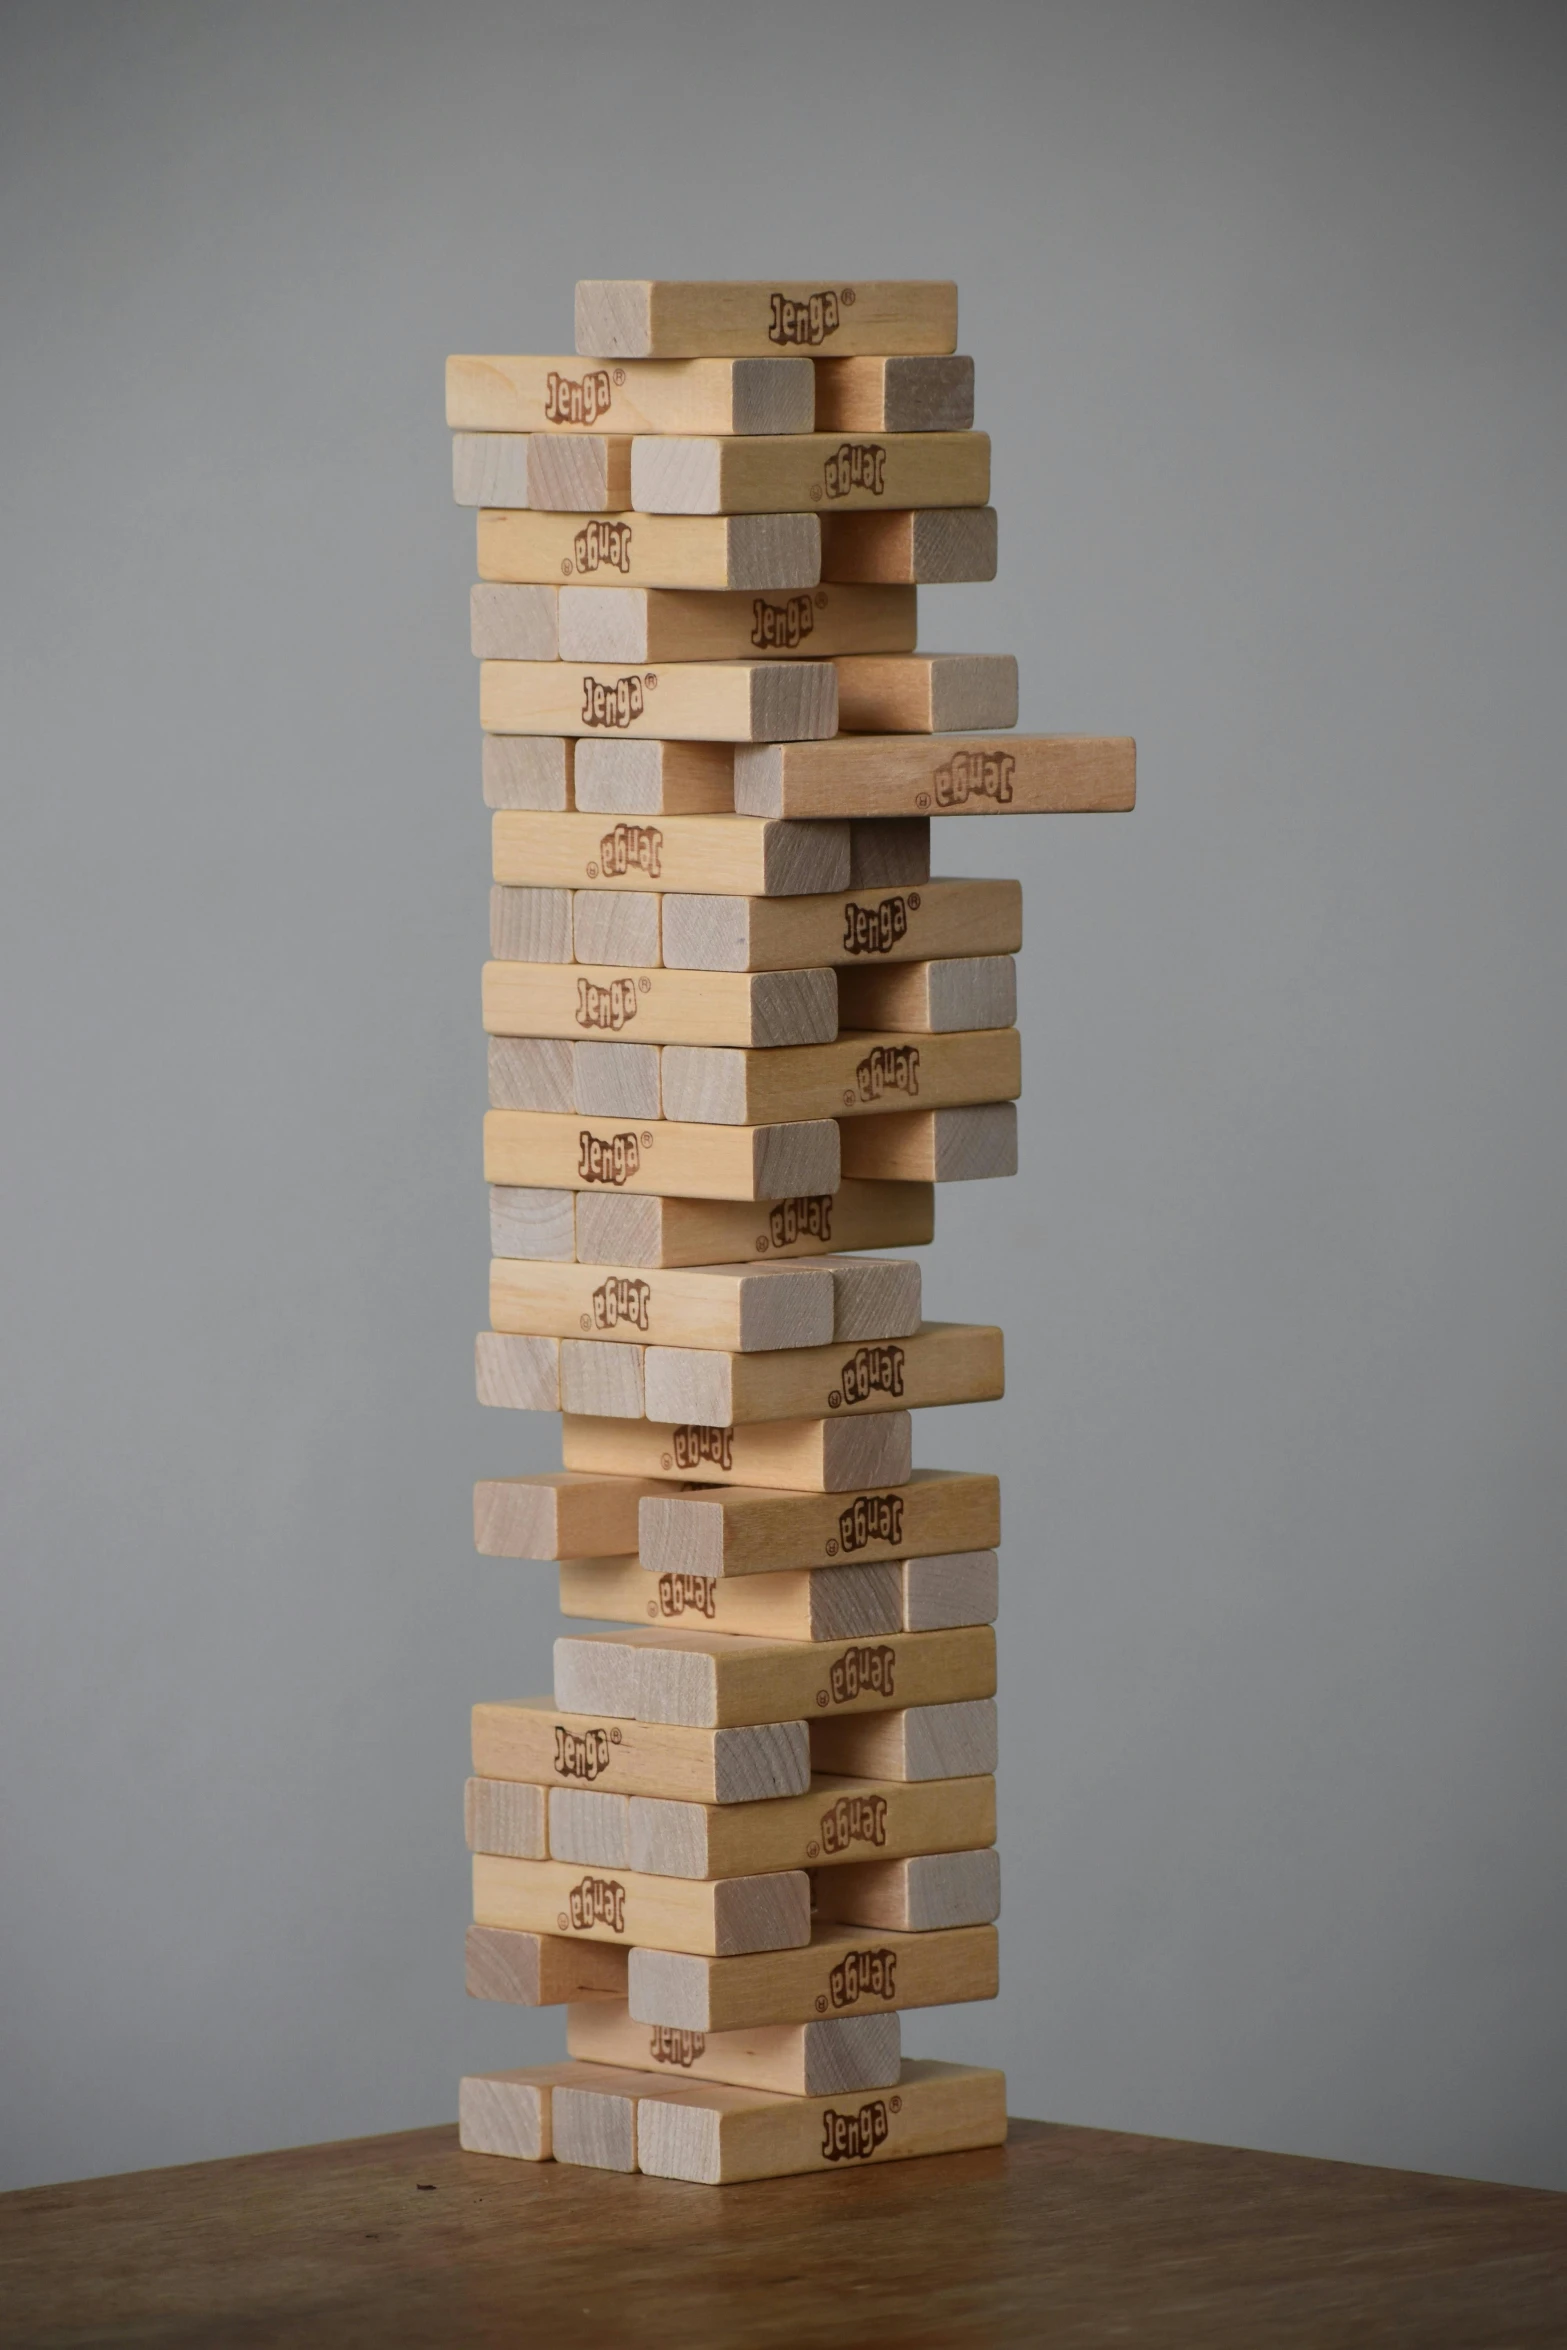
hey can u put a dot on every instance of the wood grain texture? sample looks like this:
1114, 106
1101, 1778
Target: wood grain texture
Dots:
922, 393
556, 1514
745, 1307
862, 1074
813, 2059
578, 473
920, 693
790, 473
652, 778
960, 992
841, 1819
524, 394
534, 925
669, 318
585, 1824
608, 926
686, 624
490, 469
840, 1971
616, 1080
601, 1376
870, 775
532, 771
920, 1896
507, 2113
940, 547
722, 1917
938, 1363
853, 928
817, 1456
943, 1742
961, 1588
889, 852
967, 1145
734, 2134
735, 1532
507, 622
754, 1008
711, 701
766, 551
531, 1738
722, 855
593, 2120
720, 1680
519, 1374
541, 1970
821, 1603
504, 1815
528, 1222
873, 1297
686, 1161
531, 1073
615, 1230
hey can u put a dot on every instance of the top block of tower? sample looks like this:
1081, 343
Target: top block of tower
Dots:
668, 318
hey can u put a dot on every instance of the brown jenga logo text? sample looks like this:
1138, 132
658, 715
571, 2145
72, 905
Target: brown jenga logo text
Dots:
888, 1068
611, 701
872, 1370
780, 627
615, 1159
631, 848
606, 1005
859, 1669
598, 1901
854, 2137
580, 1754
667, 2045
874, 930
855, 465
810, 321
693, 1445
680, 1595
975, 775
854, 1819
871, 1517
620, 1299
603, 546
807, 1218
863, 1974
581, 402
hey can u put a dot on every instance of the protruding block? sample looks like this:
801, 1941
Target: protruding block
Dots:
965, 992
586, 1825
490, 468
508, 622
914, 1896
966, 1145
939, 1363
541, 1970
503, 1815
528, 771
650, 778
894, 775
617, 1080
821, 1603
841, 1971
873, 1297
710, 701
940, 547
815, 2059
534, 925
668, 318
579, 473
532, 1739
721, 1917
859, 928
791, 472
716, 2136
526, 1222
917, 1742
766, 551
521, 1374
717, 1680
694, 624
602, 1377
961, 1588
819, 1456
911, 394
922, 693
735, 1531
889, 852
609, 926
725, 855
619, 1230
755, 1008
581, 1153
557, 1514
551, 395
531, 1073
750, 1308
841, 1819
864, 1074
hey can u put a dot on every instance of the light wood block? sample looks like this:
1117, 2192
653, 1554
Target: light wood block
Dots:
744, 1307
952, 1743
509, 2113
736, 1532
860, 1075
873, 1297
722, 1680
534, 925
923, 693
586, 1825
791, 472
938, 1363
719, 855
525, 1222
889, 852
490, 469
841, 1819
515, 623
650, 778
822, 1603
687, 1162
521, 394
963, 1587
600, 1376
817, 1456
609, 926
556, 1514
838, 1972
941, 547
692, 624
712, 701
521, 1374
766, 551
617, 1230
593, 2120
850, 928
910, 394
668, 318
961, 992
722, 1917
531, 1073
531, 771
616, 1080
578, 473
541, 1970
870, 775
755, 1008
934, 1146
532, 1739
816, 2059
506, 1815
717, 2136
930, 1894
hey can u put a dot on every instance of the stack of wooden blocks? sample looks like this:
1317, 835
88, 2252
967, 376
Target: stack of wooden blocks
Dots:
737, 1037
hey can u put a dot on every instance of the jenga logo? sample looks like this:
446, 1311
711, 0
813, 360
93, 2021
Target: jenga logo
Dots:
666, 2045
855, 465
874, 930
872, 1370
598, 1901
615, 1159
806, 1218
888, 1068
581, 402
679, 1595
611, 701
603, 546
871, 1517
854, 2137
693, 1445
975, 775
859, 1669
780, 627
620, 1299
863, 1974
631, 848
810, 321
854, 1819
611, 1006
580, 1754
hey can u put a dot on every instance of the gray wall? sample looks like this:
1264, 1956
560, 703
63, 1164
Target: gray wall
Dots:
1266, 309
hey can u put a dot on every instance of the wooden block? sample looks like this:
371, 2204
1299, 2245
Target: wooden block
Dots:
849, 928
531, 1073
610, 926
841, 1819
815, 2059
714, 701
911, 394
587, 1825
580, 473
505, 1815
963, 991
736, 1532
722, 1680
938, 1363
722, 855
490, 468
693, 624
616, 1080
767, 551
941, 1742
961, 1588
541, 1970
722, 1918
934, 1146
717, 2136
873, 1297
746, 1307
508, 622
688, 1162
593, 2120
668, 318
869, 775
531, 771
889, 852
508, 2113
650, 395
531, 1739
652, 778
756, 1008
922, 693
534, 925
523, 1374
616, 1230
556, 1514
821, 1603
529, 1223
600, 1376
941, 547
860, 1075
788, 473
817, 1456
837, 1973
935, 1892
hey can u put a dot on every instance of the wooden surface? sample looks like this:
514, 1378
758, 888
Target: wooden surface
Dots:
1069, 2238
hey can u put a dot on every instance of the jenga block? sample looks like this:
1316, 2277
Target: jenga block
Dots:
504, 1815
818, 1456
733, 1531
556, 1514
514, 623
522, 1374
651, 395
531, 1073
815, 2059
599, 1376
694, 624
933, 1146
490, 469
939, 1363
747, 1307
822, 1603
534, 925
943, 1742
716, 2136
508, 2113
963, 1587
766, 551
593, 2120
586, 1825
967, 991
719, 1680
938, 548
667, 318
861, 1074
920, 693
609, 926
531, 771
889, 852
525, 1222
838, 1972
649, 778
850, 928
689, 1162
616, 1230
758, 1008
918, 1896
616, 1080
719, 854
873, 1297
541, 1970
841, 1819
791, 472
721, 1917
579, 473
871, 775
712, 701
531, 1739
913, 394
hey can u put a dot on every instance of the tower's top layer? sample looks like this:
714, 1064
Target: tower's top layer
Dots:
673, 318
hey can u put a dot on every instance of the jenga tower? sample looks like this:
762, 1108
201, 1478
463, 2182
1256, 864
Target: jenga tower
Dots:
737, 1037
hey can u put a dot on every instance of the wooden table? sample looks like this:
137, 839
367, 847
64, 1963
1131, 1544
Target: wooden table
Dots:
1064, 2237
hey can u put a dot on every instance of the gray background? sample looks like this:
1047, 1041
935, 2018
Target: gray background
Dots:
1266, 309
